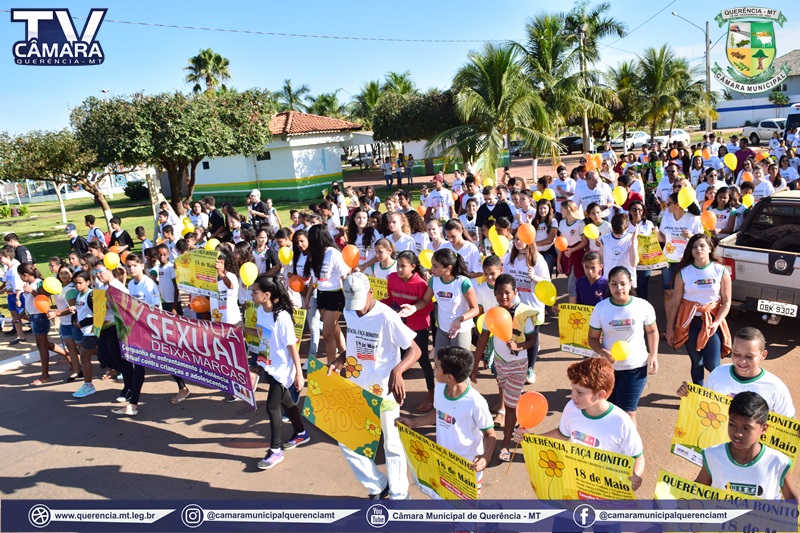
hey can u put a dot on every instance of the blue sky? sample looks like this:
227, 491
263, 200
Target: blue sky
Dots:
152, 59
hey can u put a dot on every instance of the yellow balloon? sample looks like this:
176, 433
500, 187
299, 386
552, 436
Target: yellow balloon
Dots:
211, 244
187, 226
549, 194
111, 260
620, 351
492, 234
545, 291
52, 285
697, 153
591, 232
187, 221
186, 231
620, 194
488, 182
748, 200
500, 245
425, 257
537, 195
686, 197
248, 272
285, 255
479, 323
730, 161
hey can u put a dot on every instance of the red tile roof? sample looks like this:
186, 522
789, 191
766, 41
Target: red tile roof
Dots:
294, 123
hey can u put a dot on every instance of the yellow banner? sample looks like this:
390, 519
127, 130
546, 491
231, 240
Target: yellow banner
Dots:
250, 318
438, 472
561, 470
379, 288
703, 422
573, 328
196, 272
650, 255
299, 316
99, 305
343, 410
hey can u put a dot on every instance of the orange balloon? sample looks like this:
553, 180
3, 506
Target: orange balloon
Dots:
114, 249
123, 256
421, 210
706, 153
561, 244
747, 176
498, 322
351, 255
200, 304
531, 409
709, 220
760, 156
590, 165
707, 204
598, 160
297, 283
673, 153
526, 233
42, 303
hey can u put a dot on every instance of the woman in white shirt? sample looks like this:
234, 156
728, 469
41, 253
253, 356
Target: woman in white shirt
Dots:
640, 224
775, 178
721, 207
696, 170
677, 226
762, 187
787, 172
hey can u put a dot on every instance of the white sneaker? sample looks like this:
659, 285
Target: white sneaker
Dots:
530, 377
87, 389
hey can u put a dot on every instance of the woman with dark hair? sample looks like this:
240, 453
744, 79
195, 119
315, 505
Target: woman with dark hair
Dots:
225, 306
678, 225
326, 267
639, 221
299, 259
363, 236
419, 232
721, 207
546, 227
697, 317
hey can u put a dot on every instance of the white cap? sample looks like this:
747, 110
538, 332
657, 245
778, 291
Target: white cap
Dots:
356, 291
256, 193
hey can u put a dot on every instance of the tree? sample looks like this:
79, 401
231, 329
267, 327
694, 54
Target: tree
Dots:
290, 99
622, 80
414, 118
689, 91
655, 94
779, 99
327, 105
210, 68
175, 131
365, 102
400, 83
495, 99
761, 56
57, 157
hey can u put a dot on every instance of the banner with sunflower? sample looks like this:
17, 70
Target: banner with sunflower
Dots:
573, 328
561, 470
703, 422
438, 472
196, 272
650, 255
342, 409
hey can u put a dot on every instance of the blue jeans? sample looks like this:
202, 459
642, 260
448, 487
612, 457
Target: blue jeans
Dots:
314, 325
708, 357
642, 283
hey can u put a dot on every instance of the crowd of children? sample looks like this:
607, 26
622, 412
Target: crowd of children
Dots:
444, 267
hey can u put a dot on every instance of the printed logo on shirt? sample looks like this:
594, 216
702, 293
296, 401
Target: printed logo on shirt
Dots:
583, 438
444, 417
365, 350
622, 323
745, 488
704, 282
444, 295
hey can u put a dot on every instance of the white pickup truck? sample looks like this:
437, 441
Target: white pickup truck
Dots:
764, 130
763, 258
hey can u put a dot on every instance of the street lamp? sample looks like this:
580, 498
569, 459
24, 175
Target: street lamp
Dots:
105, 93
585, 132
708, 61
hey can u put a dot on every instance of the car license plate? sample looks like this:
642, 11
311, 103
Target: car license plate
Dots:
777, 308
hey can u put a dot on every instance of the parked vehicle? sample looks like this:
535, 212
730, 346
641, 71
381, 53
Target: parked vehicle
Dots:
361, 159
633, 139
764, 130
574, 143
664, 137
793, 120
763, 258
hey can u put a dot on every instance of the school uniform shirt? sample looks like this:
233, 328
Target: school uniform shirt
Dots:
145, 291
67, 293
702, 285
260, 259
225, 306
613, 431
762, 477
701, 189
421, 241
617, 252
723, 217
441, 202
403, 243
572, 232
604, 228
451, 302
469, 225
166, 287
543, 231
12, 278
523, 326
663, 190
601, 195
374, 341
638, 187
332, 271
789, 174
524, 217
470, 253
30, 304
518, 269
694, 176
568, 185
591, 293
461, 421
478, 197
458, 186
675, 242
147, 243
724, 380
485, 294
763, 189
624, 323
84, 311
645, 227
365, 253
199, 221
95, 234
274, 338
377, 271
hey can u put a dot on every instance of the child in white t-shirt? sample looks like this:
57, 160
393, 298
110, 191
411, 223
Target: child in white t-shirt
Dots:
225, 306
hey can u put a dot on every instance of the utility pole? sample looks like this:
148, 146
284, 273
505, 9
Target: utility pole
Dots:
585, 132
708, 61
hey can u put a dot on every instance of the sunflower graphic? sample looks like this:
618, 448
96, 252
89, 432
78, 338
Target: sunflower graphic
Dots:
376, 389
368, 453
312, 364
710, 417
352, 368
552, 466
313, 387
679, 432
216, 316
576, 320
306, 412
372, 428
419, 452
434, 483
374, 402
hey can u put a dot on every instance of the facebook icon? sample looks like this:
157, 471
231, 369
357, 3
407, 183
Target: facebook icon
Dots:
583, 516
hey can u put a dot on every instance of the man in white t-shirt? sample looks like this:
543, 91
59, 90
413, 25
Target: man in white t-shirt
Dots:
375, 336
713, 145
593, 190
440, 201
563, 186
664, 187
470, 191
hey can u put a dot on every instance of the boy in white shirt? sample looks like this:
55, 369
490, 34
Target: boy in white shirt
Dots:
167, 281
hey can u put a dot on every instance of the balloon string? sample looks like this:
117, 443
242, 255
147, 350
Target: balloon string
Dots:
512, 458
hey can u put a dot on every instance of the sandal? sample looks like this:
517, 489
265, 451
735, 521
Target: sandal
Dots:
500, 419
72, 377
425, 407
40, 382
178, 398
504, 455
110, 374
128, 410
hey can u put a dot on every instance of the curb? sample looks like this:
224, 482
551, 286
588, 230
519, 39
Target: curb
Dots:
20, 360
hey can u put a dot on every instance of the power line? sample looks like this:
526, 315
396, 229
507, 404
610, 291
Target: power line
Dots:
639, 26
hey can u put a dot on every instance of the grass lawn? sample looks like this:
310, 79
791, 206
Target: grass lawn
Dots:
45, 218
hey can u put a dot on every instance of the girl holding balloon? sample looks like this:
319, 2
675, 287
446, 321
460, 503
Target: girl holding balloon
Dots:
308, 291
725, 218
37, 304
570, 253
594, 216
546, 232
70, 334
361, 235
618, 327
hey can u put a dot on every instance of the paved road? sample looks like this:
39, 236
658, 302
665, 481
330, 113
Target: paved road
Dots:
55, 446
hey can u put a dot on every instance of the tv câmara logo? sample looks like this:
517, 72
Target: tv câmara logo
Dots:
750, 47
51, 38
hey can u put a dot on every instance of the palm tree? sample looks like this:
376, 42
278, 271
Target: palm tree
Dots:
400, 83
495, 99
655, 87
365, 101
290, 99
779, 99
210, 68
689, 91
622, 80
327, 105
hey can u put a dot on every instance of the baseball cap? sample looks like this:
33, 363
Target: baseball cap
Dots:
256, 193
356, 291
70, 227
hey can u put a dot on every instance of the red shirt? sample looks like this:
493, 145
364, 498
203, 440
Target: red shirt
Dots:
409, 292
632, 196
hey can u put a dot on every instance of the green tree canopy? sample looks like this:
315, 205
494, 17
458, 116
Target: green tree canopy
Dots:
291, 99
414, 117
210, 68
